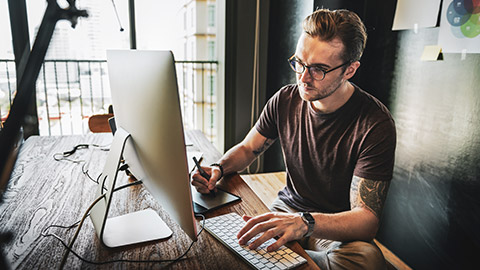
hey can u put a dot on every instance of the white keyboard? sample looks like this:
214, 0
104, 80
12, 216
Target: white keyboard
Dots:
225, 229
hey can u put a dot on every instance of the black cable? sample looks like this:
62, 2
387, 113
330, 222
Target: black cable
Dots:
103, 195
85, 172
66, 154
80, 222
121, 260
58, 238
71, 152
66, 159
76, 223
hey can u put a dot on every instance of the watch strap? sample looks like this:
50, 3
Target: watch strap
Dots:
308, 219
220, 167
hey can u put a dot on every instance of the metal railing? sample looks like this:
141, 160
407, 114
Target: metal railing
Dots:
70, 91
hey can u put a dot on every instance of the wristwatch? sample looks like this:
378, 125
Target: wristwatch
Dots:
309, 221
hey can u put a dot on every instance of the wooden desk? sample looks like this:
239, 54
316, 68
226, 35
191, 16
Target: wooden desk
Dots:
43, 192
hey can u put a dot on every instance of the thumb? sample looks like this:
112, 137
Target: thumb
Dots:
212, 183
246, 218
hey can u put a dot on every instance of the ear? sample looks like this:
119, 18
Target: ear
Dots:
351, 69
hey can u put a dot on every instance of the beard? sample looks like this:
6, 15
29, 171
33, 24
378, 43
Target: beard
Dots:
309, 92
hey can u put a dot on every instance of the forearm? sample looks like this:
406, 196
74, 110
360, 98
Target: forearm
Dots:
367, 198
356, 224
346, 226
244, 153
236, 159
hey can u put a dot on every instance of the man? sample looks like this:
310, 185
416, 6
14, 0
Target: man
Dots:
338, 143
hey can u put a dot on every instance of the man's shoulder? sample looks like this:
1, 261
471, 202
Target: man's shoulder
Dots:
288, 90
372, 105
286, 94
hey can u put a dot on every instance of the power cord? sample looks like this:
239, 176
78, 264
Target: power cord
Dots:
79, 224
124, 167
85, 215
66, 154
85, 172
119, 260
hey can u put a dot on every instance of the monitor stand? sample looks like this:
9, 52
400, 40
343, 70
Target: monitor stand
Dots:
142, 226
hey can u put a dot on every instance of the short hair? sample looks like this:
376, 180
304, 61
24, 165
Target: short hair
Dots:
344, 24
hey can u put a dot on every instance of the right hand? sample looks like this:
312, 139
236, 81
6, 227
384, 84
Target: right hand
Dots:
204, 185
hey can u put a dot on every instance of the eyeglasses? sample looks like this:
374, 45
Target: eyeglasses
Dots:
316, 72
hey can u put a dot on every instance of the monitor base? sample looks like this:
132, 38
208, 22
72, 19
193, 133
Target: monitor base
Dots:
132, 228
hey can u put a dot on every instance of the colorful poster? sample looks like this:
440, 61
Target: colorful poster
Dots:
460, 26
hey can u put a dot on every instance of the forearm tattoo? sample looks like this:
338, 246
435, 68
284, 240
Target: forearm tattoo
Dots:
265, 146
369, 194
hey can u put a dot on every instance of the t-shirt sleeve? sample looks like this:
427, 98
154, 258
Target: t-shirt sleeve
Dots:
267, 122
377, 155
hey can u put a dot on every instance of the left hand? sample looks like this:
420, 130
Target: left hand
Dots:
287, 226
206, 185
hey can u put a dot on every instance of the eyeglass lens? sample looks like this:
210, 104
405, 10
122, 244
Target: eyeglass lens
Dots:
316, 72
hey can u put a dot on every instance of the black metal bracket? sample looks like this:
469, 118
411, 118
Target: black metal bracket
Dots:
27, 80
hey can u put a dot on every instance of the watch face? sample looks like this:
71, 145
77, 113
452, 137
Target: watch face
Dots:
308, 218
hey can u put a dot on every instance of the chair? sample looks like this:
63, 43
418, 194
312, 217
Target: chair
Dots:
99, 122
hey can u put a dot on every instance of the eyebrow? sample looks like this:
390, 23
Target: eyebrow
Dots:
325, 66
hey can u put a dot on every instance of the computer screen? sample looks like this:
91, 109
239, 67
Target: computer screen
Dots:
150, 138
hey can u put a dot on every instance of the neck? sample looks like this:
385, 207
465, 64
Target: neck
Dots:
336, 100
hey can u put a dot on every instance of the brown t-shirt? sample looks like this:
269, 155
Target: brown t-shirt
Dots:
322, 152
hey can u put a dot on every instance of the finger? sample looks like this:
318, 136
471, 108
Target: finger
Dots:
197, 177
277, 244
212, 183
246, 218
259, 228
252, 221
202, 190
200, 187
214, 177
269, 234
241, 232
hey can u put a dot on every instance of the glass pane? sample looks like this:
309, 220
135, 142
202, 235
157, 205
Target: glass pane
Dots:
6, 49
160, 25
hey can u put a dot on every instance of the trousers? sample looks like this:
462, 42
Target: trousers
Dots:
332, 255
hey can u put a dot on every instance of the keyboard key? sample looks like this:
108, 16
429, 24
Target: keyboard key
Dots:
225, 229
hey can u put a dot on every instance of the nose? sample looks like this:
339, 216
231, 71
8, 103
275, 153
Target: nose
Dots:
305, 76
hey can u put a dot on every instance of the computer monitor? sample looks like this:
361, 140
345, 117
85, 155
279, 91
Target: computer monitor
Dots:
150, 138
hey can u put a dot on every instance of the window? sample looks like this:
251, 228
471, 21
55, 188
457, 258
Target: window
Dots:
192, 50
184, 20
185, 50
211, 50
212, 118
211, 79
211, 15
192, 17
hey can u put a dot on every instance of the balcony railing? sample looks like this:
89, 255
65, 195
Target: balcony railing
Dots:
70, 91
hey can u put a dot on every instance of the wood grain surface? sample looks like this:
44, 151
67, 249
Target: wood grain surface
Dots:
44, 192
265, 185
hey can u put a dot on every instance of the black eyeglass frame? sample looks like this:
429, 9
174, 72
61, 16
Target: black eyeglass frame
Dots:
292, 61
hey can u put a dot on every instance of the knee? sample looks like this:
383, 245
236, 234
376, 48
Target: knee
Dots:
356, 255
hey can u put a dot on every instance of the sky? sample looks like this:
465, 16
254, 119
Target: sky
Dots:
157, 23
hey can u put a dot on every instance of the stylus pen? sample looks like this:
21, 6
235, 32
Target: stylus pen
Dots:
203, 173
